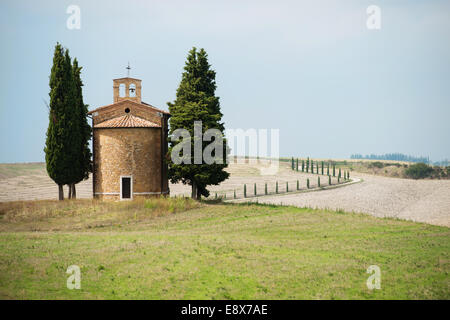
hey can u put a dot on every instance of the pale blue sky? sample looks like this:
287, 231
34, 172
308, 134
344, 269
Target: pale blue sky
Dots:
310, 68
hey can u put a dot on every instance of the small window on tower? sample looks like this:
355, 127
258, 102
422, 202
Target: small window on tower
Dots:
122, 90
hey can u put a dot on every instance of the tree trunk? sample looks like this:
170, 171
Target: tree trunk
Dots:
74, 191
194, 190
69, 196
61, 192
199, 195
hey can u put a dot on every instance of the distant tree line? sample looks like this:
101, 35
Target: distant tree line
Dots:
391, 156
443, 163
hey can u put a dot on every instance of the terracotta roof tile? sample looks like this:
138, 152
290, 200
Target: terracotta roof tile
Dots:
127, 121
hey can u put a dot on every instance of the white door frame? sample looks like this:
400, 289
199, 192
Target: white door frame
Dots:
131, 188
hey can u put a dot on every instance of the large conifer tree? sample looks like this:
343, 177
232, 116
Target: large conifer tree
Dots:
67, 152
196, 101
83, 153
57, 149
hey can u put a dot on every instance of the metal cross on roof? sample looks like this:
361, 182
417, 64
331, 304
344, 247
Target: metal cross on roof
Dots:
128, 70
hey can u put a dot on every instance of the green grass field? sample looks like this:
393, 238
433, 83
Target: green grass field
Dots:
179, 249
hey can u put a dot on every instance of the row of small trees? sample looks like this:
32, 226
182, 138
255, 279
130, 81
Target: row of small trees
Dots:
67, 152
246, 193
308, 166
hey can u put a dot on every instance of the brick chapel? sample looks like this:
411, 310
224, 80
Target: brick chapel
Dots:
129, 145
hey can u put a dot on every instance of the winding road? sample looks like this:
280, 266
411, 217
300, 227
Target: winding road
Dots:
416, 200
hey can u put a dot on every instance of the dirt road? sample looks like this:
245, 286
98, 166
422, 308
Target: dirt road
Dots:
417, 200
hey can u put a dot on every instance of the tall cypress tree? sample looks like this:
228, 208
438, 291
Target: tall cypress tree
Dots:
196, 101
58, 152
84, 132
72, 125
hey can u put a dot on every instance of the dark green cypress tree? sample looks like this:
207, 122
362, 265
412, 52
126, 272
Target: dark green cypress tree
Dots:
329, 180
84, 131
196, 101
265, 188
340, 173
292, 163
307, 165
59, 151
72, 118
322, 167
245, 191
303, 165
296, 165
318, 181
334, 170
307, 183
254, 189
328, 168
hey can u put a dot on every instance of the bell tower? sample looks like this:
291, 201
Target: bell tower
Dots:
127, 88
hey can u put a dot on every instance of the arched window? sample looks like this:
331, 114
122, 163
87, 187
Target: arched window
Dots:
122, 90
132, 90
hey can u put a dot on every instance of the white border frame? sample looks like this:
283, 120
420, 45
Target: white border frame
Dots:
131, 188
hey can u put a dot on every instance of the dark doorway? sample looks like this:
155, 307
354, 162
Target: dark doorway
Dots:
126, 188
